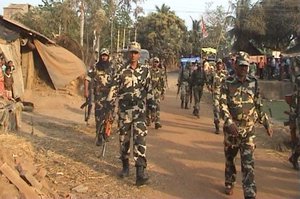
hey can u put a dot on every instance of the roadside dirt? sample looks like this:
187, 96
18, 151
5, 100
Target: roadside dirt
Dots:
185, 157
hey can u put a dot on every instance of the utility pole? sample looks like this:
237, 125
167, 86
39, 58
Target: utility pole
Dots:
118, 41
135, 32
124, 37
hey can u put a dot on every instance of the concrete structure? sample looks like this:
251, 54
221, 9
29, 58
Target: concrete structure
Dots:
275, 90
12, 9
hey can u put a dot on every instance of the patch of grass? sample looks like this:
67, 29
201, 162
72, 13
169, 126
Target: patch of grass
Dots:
276, 109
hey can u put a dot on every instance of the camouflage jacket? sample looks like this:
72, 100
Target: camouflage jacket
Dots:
218, 79
240, 103
184, 76
198, 77
132, 87
158, 80
100, 81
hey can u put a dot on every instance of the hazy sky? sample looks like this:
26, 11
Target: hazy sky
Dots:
185, 9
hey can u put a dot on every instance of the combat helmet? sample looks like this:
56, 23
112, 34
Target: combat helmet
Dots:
134, 47
104, 51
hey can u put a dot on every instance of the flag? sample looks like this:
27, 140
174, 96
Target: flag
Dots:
203, 29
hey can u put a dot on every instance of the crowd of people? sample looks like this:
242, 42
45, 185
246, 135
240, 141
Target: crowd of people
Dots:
236, 100
268, 68
134, 90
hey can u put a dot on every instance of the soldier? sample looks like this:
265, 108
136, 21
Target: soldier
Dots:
99, 79
241, 107
198, 80
184, 85
295, 122
132, 85
159, 88
218, 79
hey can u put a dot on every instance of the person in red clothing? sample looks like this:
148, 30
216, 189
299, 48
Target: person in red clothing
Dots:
8, 82
261, 66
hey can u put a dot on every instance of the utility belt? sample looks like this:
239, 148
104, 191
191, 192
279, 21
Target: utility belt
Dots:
130, 103
244, 127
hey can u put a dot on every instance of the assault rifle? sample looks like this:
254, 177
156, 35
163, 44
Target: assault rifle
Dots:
106, 127
87, 105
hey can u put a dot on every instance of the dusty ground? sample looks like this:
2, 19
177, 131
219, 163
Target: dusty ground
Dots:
185, 157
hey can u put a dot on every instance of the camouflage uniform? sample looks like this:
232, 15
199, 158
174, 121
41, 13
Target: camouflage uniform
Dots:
184, 86
159, 88
100, 78
133, 89
295, 120
241, 105
218, 79
197, 82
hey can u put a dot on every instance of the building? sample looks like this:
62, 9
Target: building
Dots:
13, 9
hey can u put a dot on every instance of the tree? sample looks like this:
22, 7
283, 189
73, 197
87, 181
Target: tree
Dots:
163, 34
282, 23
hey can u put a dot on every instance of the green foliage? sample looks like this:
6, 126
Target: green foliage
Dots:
266, 24
162, 33
282, 22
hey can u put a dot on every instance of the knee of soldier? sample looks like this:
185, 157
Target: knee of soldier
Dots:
140, 140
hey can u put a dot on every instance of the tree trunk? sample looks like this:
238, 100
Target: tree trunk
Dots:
81, 22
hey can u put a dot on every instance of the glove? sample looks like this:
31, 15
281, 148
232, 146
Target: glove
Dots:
232, 129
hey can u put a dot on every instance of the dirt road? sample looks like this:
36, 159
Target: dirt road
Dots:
185, 157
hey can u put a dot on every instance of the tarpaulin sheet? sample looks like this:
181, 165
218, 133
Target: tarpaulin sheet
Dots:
62, 65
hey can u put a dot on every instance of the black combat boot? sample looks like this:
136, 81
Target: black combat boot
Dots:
141, 178
229, 189
125, 170
186, 105
194, 111
182, 103
294, 160
157, 125
99, 139
217, 127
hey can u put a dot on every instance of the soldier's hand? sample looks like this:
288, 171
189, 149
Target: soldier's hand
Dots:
270, 131
162, 97
233, 129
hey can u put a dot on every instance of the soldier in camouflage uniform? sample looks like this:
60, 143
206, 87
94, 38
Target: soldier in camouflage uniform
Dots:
241, 107
184, 80
294, 114
159, 88
132, 86
218, 79
99, 78
198, 80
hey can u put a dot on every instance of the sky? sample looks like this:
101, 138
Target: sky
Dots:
185, 9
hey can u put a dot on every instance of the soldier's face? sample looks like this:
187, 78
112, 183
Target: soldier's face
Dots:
241, 70
155, 63
134, 56
219, 66
104, 57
